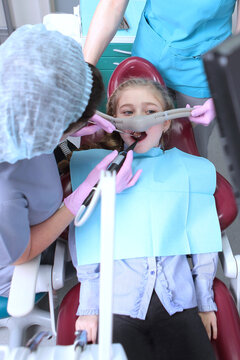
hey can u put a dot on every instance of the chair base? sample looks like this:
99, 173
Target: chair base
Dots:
18, 327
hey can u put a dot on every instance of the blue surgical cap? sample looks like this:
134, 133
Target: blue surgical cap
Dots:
45, 85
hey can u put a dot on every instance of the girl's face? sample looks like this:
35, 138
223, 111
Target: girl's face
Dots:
141, 100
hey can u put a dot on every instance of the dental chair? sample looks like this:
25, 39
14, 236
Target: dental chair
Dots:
20, 311
227, 345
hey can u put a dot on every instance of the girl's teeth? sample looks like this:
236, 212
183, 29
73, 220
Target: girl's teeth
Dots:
136, 135
139, 135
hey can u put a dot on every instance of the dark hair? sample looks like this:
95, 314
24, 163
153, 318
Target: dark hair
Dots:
94, 100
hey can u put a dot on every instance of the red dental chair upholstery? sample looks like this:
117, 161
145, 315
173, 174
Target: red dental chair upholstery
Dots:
227, 346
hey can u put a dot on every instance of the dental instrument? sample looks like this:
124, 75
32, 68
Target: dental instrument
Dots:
92, 198
120, 131
118, 161
142, 123
114, 166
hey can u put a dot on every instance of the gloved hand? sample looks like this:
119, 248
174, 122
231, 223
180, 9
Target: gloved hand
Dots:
100, 123
124, 180
203, 114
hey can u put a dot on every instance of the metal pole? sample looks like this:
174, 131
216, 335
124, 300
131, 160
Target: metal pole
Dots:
8, 19
106, 258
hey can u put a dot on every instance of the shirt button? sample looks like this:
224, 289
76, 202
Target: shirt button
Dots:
152, 272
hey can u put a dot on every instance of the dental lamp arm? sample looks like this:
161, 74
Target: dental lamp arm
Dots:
103, 27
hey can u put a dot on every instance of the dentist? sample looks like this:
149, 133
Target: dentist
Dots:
47, 91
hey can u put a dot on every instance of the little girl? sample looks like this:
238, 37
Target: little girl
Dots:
157, 300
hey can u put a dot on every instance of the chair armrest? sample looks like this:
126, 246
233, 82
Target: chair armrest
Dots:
22, 292
59, 266
28, 276
227, 259
235, 285
231, 265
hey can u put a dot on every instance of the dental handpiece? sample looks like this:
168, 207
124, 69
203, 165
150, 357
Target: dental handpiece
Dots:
115, 165
142, 123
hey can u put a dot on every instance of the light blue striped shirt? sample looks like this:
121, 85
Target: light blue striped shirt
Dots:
177, 285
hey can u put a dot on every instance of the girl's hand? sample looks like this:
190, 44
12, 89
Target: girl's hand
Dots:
210, 323
90, 324
99, 123
203, 114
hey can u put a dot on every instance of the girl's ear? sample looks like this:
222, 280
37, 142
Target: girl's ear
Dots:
166, 125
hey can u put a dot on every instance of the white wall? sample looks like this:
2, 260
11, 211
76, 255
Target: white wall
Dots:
2, 18
234, 18
65, 6
26, 11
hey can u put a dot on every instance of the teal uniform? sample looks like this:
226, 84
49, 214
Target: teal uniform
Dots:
173, 36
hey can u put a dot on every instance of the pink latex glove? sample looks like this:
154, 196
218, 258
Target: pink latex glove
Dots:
100, 123
124, 180
203, 114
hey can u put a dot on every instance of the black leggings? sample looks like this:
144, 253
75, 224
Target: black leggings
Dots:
181, 336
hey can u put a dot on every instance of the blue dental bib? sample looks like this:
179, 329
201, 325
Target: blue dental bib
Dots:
170, 211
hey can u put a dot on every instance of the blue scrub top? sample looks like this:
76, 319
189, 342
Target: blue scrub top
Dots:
30, 193
173, 36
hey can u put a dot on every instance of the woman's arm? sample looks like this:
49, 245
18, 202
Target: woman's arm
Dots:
103, 27
44, 234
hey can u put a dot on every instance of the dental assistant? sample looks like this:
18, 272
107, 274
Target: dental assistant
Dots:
46, 91
173, 36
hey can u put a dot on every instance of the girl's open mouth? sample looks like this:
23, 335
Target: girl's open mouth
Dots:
138, 135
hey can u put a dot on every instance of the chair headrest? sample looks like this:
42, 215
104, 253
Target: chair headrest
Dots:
133, 67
